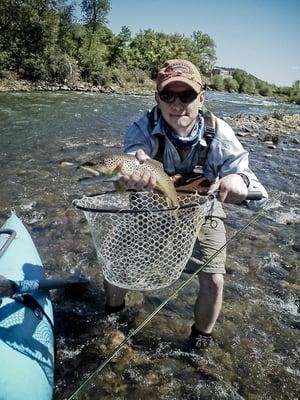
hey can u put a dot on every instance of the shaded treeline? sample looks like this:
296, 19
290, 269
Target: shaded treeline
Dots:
41, 40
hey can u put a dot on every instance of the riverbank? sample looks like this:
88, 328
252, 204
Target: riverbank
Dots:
12, 83
267, 128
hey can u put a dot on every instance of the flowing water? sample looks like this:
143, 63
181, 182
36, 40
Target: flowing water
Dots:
43, 137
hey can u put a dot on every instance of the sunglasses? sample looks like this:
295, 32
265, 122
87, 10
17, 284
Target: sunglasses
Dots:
167, 96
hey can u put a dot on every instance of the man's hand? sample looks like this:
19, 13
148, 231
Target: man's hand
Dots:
140, 180
231, 188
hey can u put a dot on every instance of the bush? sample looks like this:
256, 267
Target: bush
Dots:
245, 81
61, 67
265, 91
231, 85
248, 86
5, 60
295, 97
126, 78
34, 68
217, 83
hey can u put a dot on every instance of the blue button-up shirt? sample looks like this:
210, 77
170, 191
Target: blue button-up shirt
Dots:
226, 155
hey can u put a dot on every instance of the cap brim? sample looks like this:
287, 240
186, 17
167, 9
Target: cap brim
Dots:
193, 85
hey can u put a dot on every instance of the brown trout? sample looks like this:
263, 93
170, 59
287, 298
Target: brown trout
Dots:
112, 167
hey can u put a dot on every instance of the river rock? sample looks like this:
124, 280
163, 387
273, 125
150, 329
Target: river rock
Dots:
66, 164
134, 298
296, 247
270, 127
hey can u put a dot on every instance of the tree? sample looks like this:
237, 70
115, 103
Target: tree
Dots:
94, 15
245, 81
66, 29
217, 82
296, 85
117, 47
264, 88
206, 48
125, 35
231, 85
27, 30
149, 50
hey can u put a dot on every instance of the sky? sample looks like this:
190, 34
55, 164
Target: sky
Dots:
260, 36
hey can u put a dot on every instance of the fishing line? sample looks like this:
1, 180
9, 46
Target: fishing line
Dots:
172, 296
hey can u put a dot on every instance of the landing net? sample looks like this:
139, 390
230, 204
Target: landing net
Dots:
141, 243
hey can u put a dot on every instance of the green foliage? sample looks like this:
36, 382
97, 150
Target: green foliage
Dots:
94, 15
61, 67
264, 88
66, 35
231, 85
245, 81
117, 47
217, 82
34, 68
206, 49
296, 85
95, 12
149, 50
295, 93
296, 98
5, 60
40, 40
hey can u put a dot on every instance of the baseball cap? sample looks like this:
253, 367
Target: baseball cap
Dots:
179, 71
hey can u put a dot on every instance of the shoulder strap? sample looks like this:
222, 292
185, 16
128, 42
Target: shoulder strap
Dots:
209, 124
154, 116
209, 132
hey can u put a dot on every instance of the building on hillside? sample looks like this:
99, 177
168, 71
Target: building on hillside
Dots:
222, 71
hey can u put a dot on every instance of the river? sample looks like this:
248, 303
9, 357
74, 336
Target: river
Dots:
43, 137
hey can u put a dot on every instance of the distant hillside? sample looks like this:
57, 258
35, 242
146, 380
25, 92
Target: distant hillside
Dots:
228, 71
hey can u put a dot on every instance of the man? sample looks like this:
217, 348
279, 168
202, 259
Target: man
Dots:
176, 133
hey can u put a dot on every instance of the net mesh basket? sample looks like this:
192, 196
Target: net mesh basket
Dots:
142, 244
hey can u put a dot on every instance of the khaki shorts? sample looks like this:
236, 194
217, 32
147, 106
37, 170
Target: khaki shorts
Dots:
211, 237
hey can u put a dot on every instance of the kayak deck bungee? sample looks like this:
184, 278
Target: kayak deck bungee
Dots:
26, 322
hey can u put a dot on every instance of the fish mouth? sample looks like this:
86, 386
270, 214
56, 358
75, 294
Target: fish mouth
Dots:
90, 170
96, 176
96, 179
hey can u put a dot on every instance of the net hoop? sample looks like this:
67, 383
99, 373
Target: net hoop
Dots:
77, 203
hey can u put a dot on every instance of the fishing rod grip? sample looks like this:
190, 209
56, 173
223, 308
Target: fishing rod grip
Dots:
28, 286
251, 195
254, 195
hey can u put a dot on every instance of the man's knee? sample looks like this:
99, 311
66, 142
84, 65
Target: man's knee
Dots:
211, 282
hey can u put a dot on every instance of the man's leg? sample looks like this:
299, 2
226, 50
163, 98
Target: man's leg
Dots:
114, 295
209, 301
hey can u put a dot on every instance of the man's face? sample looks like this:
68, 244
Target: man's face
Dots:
179, 115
